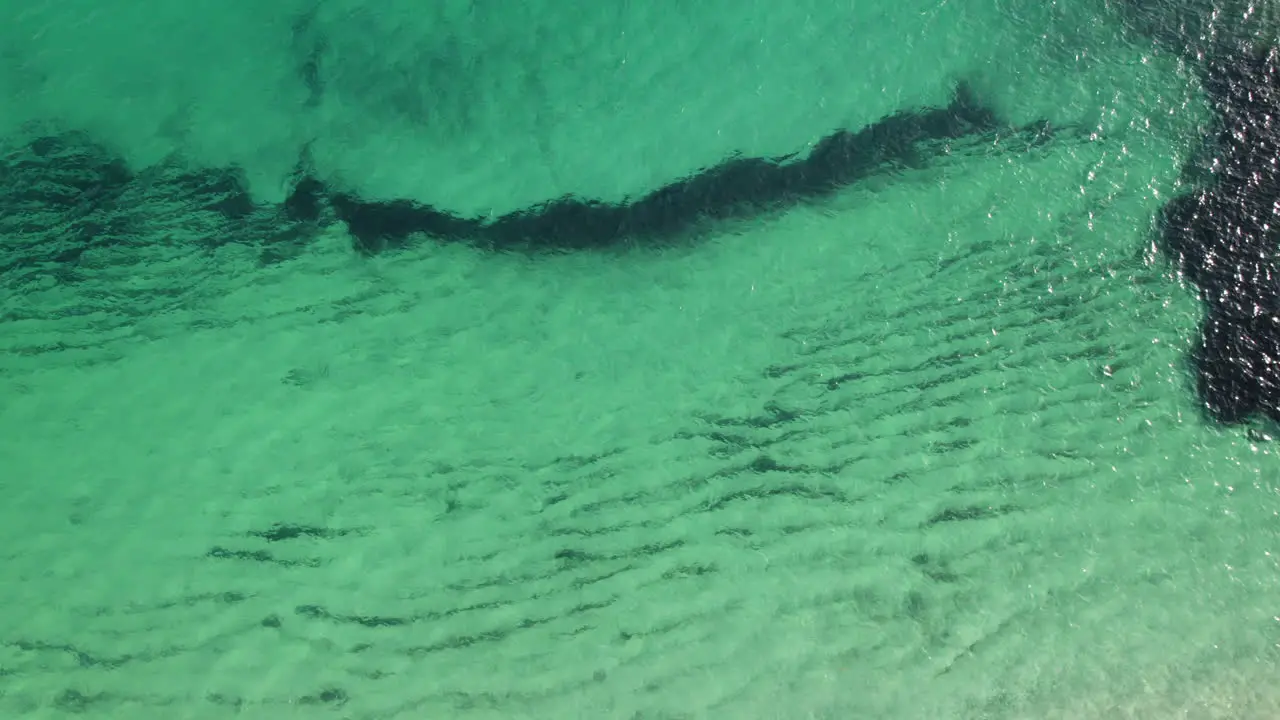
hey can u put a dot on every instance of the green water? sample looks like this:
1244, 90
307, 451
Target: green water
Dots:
927, 449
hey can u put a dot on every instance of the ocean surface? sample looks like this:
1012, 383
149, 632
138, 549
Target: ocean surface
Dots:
924, 447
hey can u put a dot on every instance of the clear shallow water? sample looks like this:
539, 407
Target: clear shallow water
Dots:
925, 450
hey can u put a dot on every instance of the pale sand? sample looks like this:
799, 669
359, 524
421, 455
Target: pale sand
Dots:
543, 470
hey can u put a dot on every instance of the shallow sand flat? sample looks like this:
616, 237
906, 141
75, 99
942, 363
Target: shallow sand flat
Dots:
827, 465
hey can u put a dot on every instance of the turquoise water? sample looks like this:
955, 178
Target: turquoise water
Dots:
927, 448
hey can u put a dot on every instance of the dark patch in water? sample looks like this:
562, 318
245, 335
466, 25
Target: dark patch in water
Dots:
1223, 239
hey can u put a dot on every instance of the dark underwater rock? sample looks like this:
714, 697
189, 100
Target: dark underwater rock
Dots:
1223, 238
1237, 367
